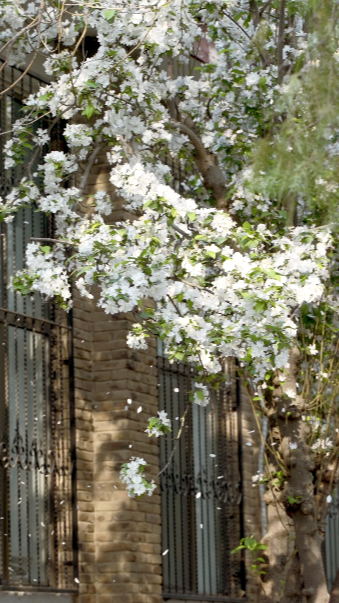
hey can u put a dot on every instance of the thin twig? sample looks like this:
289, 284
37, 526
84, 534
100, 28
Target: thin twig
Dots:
49, 240
182, 421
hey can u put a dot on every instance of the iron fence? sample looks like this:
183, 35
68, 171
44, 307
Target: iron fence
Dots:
201, 490
38, 540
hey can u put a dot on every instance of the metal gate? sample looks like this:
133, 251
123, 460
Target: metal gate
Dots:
38, 541
201, 490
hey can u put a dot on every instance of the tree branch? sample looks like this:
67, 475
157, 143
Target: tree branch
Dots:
210, 171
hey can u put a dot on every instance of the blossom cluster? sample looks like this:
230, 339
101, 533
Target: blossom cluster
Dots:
158, 426
132, 474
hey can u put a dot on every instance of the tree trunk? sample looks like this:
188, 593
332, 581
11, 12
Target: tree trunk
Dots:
335, 589
299, 487
282, 581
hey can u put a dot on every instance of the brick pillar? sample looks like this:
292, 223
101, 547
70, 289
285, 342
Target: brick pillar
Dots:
82, 314
119, 537
127, 531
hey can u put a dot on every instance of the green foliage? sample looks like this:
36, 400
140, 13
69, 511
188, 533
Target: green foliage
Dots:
155, 425
297, 160
253, 546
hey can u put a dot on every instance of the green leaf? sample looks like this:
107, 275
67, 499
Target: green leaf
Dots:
191, 215
238, 548
200, 394
252, 243
109, 14
88, 111
260, 306
272, 274
246, 226
45, 249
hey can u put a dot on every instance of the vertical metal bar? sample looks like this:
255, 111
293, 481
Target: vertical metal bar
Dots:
73, 448
7, 520
26, 484
2, 453
18, 438
61, 439
206, 503
167, 489
179, 412
45, 427
174, 496
35, 468
241, 505
201, 522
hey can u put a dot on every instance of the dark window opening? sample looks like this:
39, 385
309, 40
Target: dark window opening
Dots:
201, 490
38, 544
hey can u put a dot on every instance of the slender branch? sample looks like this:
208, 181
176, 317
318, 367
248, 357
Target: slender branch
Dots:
19, 78
181, 232
263, 8
49, 240
182, 424
281, 39
88, 169
10, 42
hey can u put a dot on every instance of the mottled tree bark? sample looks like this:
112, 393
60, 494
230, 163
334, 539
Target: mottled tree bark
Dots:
299, 495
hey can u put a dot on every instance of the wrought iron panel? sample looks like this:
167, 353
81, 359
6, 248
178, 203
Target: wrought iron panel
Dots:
38, 541
331, 544
201, 489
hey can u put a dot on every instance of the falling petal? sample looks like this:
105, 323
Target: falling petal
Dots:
76, 580
139, 409
165, 552
198, 495
212, 456
329, 498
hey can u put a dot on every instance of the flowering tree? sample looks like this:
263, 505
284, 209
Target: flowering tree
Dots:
220, 121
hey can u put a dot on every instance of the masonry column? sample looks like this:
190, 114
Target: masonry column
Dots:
119, 537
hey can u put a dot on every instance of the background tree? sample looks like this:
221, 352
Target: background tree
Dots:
229, 170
